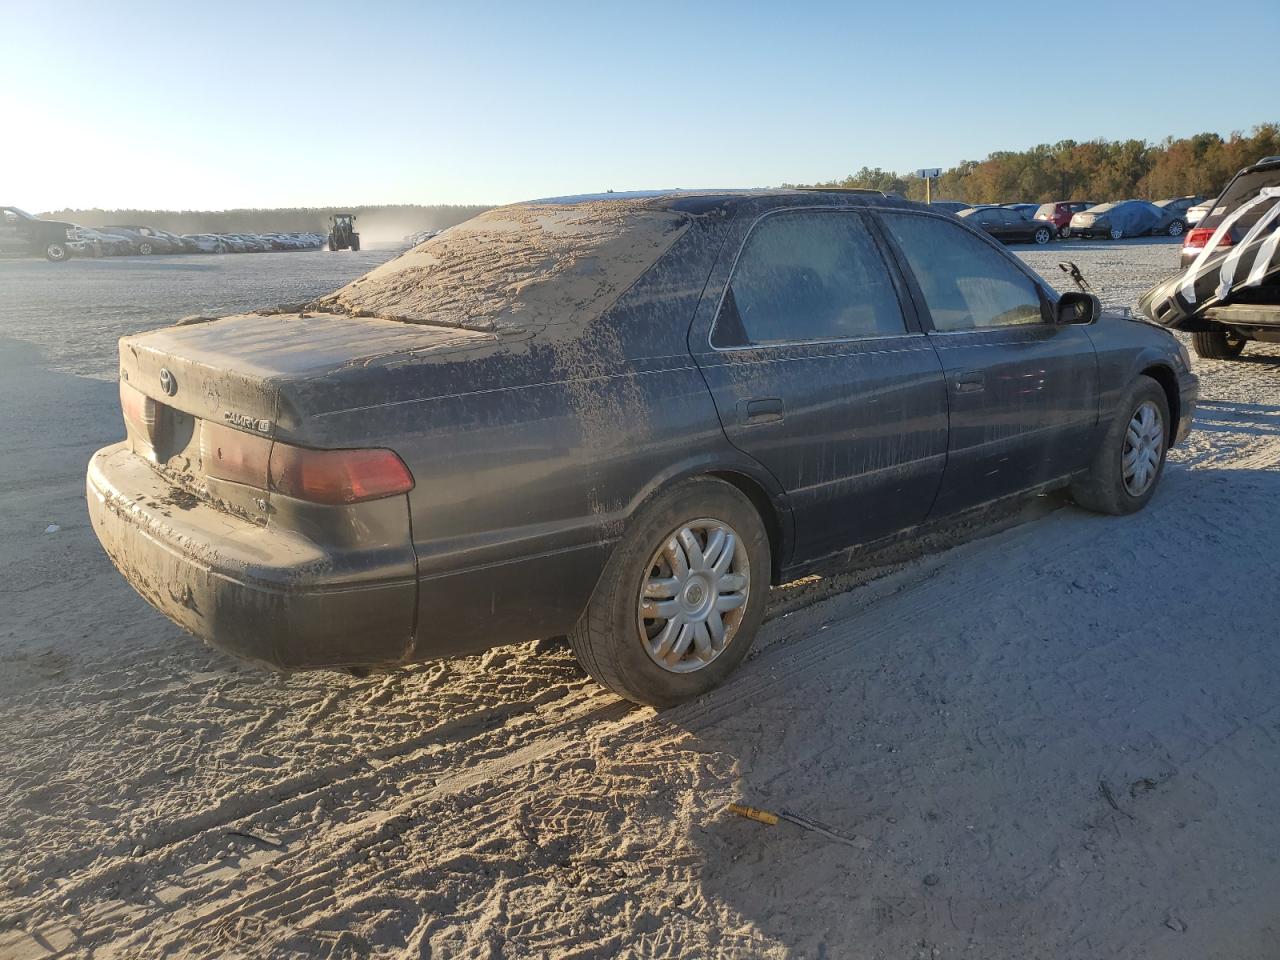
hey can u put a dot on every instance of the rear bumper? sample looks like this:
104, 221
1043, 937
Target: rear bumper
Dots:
267, 595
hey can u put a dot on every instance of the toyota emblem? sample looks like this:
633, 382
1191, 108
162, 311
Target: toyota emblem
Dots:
167, 382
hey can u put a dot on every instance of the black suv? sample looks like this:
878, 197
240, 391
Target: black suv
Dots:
23, 235
1230, 294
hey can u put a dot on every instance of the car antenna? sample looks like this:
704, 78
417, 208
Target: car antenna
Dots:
1071, 270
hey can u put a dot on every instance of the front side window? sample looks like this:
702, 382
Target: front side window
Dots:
808, 275
966, 284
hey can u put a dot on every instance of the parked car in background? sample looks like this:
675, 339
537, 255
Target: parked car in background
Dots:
390, 477
103, 244
1025, 209
144, 240
1247, 183
1059, 213
1175, 209
1122, 218
1198, 212
1008, 225
1228, 292
205, 242
23, 235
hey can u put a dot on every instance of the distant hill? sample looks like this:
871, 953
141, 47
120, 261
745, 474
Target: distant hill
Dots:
377, 224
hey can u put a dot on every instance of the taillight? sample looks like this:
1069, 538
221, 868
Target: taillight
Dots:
234, 455
337, 476
1199, 238
139, 410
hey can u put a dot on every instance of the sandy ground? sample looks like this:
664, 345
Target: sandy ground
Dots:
1051, 736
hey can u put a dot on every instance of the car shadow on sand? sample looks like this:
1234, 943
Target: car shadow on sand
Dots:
1021, 753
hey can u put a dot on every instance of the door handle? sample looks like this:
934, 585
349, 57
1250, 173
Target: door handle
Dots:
971, 381
760, 410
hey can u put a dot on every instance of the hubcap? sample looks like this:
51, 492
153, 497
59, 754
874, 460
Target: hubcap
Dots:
693, 595
1143, 446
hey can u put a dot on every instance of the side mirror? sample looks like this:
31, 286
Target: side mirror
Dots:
1076, 307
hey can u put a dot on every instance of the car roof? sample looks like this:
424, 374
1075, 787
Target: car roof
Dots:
700, 201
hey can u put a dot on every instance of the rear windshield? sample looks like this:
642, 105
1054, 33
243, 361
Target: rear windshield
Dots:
1046, 209
520, 268
1242, 189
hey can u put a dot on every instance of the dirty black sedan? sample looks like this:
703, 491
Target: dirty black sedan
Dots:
619, 418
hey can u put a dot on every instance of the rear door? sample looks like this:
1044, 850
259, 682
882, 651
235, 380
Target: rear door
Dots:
819, 370
1023, 390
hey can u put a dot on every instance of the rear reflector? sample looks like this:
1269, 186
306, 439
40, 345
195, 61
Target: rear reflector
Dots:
1200, 236
337, 476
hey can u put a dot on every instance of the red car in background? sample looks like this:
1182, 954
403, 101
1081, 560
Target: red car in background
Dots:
1059, 212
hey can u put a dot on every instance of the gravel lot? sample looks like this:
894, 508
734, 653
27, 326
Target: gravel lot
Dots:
1050, 735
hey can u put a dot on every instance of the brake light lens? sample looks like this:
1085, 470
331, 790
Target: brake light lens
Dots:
234, 455
139, 410
1199, 238
337, 476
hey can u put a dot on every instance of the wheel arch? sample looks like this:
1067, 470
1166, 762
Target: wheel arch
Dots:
1163, 374
750, 479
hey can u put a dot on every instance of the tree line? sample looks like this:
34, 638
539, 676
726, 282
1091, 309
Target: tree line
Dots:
1096, 170
398, 219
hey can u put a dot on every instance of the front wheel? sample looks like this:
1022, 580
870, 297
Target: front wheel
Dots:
1218, 344
1042, 236
1176, 228
355, 244
1130, 459
144, 249
681, 598
1116, 233
57, 252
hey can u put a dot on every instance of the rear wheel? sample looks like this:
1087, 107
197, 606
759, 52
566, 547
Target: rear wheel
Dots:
681, 598
1176, 228
1042, 235
355, 244
1130, 459
144, 248
1218, 344
57, 252
1116, 233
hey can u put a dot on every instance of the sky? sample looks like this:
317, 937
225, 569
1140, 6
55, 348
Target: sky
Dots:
229, 104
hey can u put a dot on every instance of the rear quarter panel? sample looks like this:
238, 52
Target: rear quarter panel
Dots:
525, 481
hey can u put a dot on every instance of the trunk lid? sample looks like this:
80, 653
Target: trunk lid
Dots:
204, 400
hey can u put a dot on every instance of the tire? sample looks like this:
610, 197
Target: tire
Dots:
144, 248
1176, 228
332, 246
1112, 483
1064, 233
57, 252
614, 642
1042, 236
1116, 233
355, 244
1218, 345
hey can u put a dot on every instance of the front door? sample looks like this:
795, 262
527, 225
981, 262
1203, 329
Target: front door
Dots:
1023, 389
820, 374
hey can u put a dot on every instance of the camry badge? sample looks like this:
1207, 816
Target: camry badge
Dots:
245, 422
167, 382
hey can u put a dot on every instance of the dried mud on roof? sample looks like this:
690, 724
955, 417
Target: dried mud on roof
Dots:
541, 270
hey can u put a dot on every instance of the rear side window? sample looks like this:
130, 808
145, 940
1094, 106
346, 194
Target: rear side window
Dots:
808, 275
966, 284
